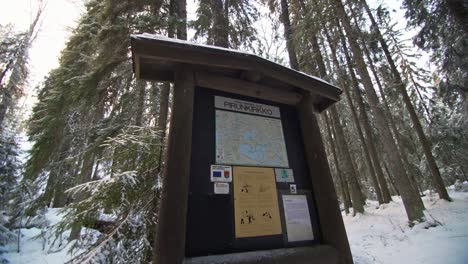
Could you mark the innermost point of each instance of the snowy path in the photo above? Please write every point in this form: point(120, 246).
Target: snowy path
point(383, 236)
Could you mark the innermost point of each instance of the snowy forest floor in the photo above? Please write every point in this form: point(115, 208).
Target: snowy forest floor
point(383, 236)
point(379, 236)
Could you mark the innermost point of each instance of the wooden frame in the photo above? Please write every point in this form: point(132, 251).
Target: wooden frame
point(170, 245)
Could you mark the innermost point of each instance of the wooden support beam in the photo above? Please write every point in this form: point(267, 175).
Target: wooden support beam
point(332, 227)
point(246, 88)
point(136, 65)
point(252, 76)
point(170, 245)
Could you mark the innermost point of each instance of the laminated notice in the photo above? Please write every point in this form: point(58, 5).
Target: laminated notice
point(296, 211)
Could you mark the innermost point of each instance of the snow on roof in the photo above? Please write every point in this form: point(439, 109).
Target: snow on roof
point(244, 53)
point(185, 42)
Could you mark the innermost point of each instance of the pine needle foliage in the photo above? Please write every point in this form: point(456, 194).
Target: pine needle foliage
point(95, 150)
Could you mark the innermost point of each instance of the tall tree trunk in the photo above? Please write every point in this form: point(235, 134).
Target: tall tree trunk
point(366, 123)
point(141, 86)
point(89, 157)
point(288, 35)
point(347, 162)
point(181, 19)
point(410, 197)
point(459, 10)
point(392, 181)
point(365, 146)
point(84, 176)
point(221, 23)
point(343, 184)
point(436, 178)
point(356, 192)
point(164, 98)
point(392, 122)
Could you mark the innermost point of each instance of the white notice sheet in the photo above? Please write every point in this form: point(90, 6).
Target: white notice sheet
point(297, 217)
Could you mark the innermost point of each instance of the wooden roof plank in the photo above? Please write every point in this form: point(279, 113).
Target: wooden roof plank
point(162, 50)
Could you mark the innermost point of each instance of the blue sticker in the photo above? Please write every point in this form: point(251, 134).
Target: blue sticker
point(217, 174)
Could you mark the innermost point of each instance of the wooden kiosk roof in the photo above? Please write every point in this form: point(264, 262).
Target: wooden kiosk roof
point(156, 58)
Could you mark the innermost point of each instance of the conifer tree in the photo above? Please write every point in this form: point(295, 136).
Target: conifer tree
point(411, 199)
point(14, 56)
point(437, 179)
point(226, 23)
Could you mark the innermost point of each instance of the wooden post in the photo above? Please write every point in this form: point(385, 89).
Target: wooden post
point(170, 243)
point(331, 223)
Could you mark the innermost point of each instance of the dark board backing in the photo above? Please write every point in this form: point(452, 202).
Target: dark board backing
point(210, 217)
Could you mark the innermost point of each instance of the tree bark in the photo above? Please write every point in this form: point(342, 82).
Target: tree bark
point(436, 178)
point(86, 171)
point(410, 197)
point(459, 10)
point(343, 184)
point(181, 19)
point(141, 86)
point(220, 23)
point(366, 124)
point(365, 146)
point(84, 176)
point(288, 35)
point(347, 162)
point(392, 181)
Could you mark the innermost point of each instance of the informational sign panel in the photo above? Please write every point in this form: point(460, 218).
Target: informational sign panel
point(221, 188)
point(246, 154)
point(220, 173)
point(246, 107)
point(243, 139)
point(298, 225)
point(256, 208)
point(284, 175)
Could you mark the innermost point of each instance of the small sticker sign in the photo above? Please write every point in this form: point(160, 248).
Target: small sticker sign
point(293, 188)
point(220, 173)
point(219, 154)
point(221, 188)
point(284, 175)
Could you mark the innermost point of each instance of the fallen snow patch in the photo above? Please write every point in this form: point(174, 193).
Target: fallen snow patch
point(38, 246)
point(383, 236)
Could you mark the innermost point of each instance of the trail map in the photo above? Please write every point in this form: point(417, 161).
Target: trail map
point(243, 139)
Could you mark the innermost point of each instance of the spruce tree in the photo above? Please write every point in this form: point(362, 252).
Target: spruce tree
point(411, 199)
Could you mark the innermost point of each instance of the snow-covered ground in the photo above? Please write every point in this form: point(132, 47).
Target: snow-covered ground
point(383, 236)
point(35, 249)
point(379, 236)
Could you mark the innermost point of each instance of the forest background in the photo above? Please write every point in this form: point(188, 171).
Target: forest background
point(99, 134)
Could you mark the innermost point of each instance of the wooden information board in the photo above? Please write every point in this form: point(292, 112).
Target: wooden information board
point(222, 217)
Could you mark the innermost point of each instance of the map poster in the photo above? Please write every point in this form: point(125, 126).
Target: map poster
point(297, 216)
point(256, 208)
point(244, 139)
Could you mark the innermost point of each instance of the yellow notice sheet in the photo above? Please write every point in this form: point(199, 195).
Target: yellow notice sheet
point(255, 202)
